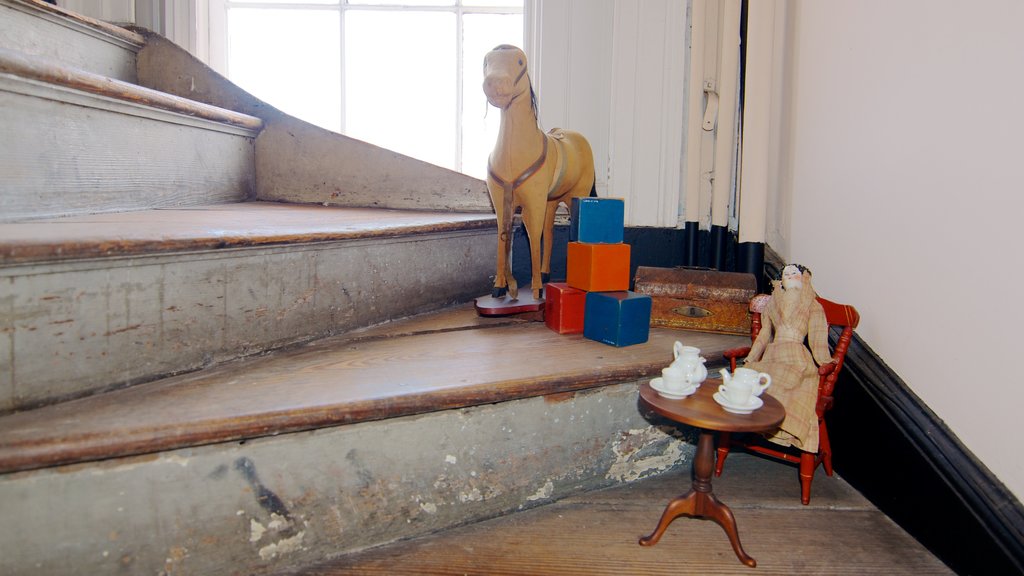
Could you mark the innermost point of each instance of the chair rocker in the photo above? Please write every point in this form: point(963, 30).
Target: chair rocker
point(841, 316)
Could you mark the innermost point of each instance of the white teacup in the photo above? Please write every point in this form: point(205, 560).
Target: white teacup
point(737, 395)
point(739, 387)
point(674, 379)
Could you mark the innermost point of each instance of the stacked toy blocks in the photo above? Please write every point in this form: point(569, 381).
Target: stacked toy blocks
point(563, 308)
point(595, 298)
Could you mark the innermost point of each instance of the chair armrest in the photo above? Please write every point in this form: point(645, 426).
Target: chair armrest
point(826, 368)
point(824, 405)
point(735, 353)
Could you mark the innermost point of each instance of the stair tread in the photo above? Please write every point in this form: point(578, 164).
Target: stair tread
point(453, 359)
point(38, 68)
point(214, 227)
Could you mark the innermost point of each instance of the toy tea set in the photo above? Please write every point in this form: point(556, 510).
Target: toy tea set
point(739, 392)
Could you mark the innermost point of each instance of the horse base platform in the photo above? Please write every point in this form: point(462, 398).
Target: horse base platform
point(525, 304)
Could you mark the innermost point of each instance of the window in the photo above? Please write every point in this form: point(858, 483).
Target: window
point(401, 74)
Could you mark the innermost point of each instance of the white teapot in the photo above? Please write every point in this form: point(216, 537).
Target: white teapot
point(743, 384)
point(689, 361)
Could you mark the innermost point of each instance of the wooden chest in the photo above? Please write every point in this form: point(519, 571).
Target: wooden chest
point(698, 299)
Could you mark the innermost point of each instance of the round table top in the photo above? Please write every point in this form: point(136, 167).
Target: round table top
point(701, 410)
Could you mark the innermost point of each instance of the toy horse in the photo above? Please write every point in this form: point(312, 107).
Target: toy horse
point(529, 169)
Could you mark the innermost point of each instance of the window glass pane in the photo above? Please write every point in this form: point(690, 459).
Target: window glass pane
point(283, 2)
point(480, 121)
point(494, 3)
point(290, 59)
point(403, 2)
point(400, 82)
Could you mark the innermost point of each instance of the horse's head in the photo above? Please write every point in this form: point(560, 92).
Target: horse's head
point(505, 77)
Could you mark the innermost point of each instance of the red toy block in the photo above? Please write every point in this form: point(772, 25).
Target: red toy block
point(563, 308)
point(597, 267)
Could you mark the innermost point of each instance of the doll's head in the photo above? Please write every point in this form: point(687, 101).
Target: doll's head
point(793, 276)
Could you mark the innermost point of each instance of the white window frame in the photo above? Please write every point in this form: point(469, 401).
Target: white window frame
point(217, 42)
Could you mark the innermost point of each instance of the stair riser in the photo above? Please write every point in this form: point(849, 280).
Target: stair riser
point(33, 31)
point(75, 328)
point(295, 499)
point(67, 152)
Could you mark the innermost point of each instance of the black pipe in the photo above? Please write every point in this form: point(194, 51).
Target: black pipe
point(718, 248)
point(691, 244)
point(750, 258)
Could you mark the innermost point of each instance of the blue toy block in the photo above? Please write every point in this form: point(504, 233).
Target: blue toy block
point(596, 220)
point(617, 318)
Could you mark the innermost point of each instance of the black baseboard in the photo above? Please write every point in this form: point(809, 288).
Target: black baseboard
point(893, 449)
point(660, 247)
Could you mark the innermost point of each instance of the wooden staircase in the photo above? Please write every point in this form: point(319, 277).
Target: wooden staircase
point(135, 221)
point(235, 343)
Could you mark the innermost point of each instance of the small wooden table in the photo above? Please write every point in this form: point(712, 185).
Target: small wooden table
point(702, 411)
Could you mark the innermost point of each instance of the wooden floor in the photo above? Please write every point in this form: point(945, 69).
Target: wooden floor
point(596, 533)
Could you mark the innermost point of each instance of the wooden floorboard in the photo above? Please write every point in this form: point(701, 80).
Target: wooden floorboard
point(839, 533)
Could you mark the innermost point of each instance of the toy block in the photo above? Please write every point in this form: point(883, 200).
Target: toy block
point(597, 267)
point(617, 318)
point(563, 308)
point(596, 220)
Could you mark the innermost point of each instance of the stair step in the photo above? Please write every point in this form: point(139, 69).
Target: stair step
point(41, 29)
point(334, 381)
point(53, 72)
point(80, 143)
point(351, 442)
point(100, 302)
point(219, 226)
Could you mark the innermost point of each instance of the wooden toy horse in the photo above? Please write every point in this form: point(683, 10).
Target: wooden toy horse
point(529, 169)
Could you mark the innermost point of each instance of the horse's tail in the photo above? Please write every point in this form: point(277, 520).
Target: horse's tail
point(593, 187)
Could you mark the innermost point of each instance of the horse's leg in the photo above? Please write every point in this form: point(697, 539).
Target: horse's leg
point(533, 219)
point(549, 239)
point(500, 282)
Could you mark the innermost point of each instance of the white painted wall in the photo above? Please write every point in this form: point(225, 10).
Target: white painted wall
point(108, 10)
point(901, 186)
point(615, 71)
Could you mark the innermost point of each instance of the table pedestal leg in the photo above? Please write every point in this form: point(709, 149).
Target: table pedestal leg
point(700, 502)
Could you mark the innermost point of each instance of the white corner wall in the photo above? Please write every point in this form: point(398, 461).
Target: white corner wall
point(615, 71)
point(900, 187)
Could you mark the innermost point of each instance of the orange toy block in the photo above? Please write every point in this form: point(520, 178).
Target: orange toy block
point(597, 267)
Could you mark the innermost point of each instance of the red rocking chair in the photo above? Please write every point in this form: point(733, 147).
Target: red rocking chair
point(837, 315)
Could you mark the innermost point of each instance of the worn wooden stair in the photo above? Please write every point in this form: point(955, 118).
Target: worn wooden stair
point(136, 240)
point(339, 445)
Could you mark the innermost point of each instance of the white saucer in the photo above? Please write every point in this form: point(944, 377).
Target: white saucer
point(659, 387)
point(755, 403)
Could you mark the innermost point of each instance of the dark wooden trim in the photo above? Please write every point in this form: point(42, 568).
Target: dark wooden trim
point(889, 445)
